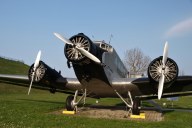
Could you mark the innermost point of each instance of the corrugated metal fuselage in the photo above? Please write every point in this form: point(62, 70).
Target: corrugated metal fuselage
point(97, 78)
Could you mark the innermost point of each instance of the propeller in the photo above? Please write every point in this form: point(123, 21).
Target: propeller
point(36, 64)
point(162, 78)
point(63, 39)
point(80, 49)
point(89, 55)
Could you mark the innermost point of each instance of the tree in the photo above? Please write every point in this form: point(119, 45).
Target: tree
point(136, 62)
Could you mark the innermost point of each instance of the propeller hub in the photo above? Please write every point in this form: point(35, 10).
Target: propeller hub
point(79, 41)
point(38, 73)
point(156, 68)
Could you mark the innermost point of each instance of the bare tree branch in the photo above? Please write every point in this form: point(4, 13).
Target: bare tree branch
point(136, 61)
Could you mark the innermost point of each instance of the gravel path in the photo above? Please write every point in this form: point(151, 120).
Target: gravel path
point(113, 112)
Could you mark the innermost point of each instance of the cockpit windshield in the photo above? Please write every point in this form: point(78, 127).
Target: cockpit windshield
point(104, 46)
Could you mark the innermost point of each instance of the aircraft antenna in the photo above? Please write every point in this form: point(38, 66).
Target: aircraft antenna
point(111, 36)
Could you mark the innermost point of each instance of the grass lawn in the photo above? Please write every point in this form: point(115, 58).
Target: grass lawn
point(12, 67)
point(20, 110)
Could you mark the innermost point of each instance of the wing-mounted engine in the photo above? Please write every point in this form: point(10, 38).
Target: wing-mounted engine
point(75, 55)
point(44, 75)
point(170, 71)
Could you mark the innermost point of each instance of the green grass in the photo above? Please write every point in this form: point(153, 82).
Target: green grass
point(13, 67)
point(183, 102)
point(18, 110)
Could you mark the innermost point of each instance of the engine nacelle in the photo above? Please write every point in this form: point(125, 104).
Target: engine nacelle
point(81, 40)
point(155, 68)
point(44, 74)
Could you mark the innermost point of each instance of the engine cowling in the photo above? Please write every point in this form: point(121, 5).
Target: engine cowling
point(82, 41)
point(44, 74)
point(171, 71)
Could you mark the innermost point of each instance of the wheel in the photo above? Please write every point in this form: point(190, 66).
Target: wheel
point(136, 104)
point(69, 104)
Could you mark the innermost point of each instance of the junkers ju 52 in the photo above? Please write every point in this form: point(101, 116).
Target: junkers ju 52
point(101, 73)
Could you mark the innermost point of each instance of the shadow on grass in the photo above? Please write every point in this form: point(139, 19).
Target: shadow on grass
point(18, 83)
point(167, 110)
point(42, 101)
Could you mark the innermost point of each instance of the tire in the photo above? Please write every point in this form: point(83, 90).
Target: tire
point(136, 104)
point(69, 105)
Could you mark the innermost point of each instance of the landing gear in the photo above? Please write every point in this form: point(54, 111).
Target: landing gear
point(133, 105)
point(136, 106)
point(71, 101)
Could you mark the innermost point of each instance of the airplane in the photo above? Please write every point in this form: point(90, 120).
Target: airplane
point(100, 73)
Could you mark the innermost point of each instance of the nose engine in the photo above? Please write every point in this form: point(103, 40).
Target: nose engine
point(79, 40)
point(170, 70)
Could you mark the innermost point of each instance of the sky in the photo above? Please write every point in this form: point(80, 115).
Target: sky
point(27, 26)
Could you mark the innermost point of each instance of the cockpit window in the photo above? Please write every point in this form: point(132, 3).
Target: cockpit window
point(104, 46)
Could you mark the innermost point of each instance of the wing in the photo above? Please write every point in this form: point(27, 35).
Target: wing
point(61, 84)
point(144, 88)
